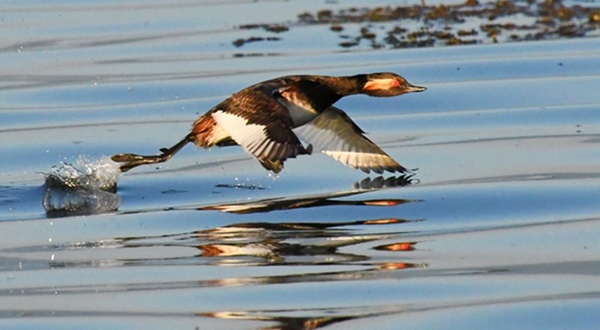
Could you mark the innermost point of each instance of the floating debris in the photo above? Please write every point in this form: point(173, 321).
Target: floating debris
point(240, 42)
point(276, 28)
point(472, 22)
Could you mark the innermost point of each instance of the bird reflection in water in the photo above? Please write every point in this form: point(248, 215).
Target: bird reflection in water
point(281, 322)
point(293, 242)
point(297, 242)
point(305, 244)
point(307, 318)
point(354, 250)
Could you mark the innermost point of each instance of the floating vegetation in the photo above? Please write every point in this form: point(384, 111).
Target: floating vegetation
point(468, 23)
point(240, 42)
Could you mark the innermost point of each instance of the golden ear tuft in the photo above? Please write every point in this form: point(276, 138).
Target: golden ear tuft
point(378, 84)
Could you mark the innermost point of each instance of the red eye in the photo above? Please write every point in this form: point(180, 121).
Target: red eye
point(394, 83)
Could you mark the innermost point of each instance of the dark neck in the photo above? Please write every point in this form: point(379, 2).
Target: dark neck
point(330, 89)
point(321, 92)
point(344, 86)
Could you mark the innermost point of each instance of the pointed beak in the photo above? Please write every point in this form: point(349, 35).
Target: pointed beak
point(416, 89)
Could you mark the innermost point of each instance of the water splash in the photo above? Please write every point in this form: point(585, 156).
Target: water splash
point(86, 187)
point(87, 173)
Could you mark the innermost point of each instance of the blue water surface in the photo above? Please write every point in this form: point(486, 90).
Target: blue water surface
point(497, 228)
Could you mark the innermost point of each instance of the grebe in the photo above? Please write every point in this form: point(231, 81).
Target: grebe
point(268, 118)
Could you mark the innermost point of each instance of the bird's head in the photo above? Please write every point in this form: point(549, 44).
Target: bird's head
point(385, 84)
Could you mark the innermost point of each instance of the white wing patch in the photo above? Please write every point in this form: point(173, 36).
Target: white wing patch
point(249, 136)
point(334, 133)
point(253, 138)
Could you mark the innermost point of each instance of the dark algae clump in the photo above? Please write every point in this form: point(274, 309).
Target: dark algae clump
point(472, 22)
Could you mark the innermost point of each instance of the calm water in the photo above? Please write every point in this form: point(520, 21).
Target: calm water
point(497, 229)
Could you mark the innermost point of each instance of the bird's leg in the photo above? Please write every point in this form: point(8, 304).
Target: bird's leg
point(133, 160)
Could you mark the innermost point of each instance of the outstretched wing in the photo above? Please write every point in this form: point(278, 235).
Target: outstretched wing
point(266, 135)
point(336, 135)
